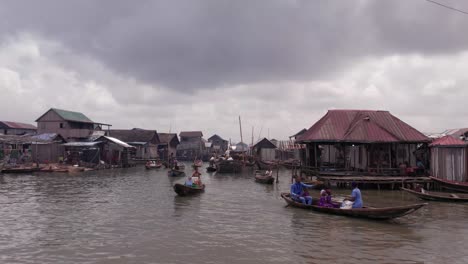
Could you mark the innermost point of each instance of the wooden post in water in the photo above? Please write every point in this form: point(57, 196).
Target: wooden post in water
point(277, 172)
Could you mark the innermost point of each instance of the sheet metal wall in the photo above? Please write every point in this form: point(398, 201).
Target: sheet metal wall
point(449, 163)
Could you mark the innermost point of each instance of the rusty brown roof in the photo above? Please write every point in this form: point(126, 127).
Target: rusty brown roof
point(17, 125)
point(448, 141)
point(361, 126)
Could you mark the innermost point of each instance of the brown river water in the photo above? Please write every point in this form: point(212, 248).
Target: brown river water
point(134, 216)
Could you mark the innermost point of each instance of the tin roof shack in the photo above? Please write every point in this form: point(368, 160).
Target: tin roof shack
point(110, 150)
point(298, 134)
point(191, 145)
point(16, 128)
point(72, 126)
point(48, 148)
point(168, 145)
point(218, 144)
point(449, 159)
point(264, 150)
point(145, 141)
point(26, 149)
point(372, 142)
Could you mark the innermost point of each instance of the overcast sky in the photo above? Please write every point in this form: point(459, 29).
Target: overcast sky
point(198, 65)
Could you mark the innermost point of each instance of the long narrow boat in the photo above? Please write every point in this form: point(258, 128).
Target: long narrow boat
point(211, 169)
point(197, 164)
point(153, 166)
point(260, 177)
point(184, 190)
point(383, 213)
point(63, 170)
point(452, 185)
point(175, 173)
point(20, 170)
point(229, 166)
point(266, 165)
point(439, 196)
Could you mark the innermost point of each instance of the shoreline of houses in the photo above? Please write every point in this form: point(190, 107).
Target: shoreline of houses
point(342, 143)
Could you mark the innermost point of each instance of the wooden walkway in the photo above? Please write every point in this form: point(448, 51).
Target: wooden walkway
point(391, 182)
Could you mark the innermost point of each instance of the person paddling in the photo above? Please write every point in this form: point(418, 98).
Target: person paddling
point(297, 191)
point(355, 196)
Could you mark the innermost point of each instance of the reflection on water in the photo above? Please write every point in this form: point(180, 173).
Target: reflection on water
point(133, 216)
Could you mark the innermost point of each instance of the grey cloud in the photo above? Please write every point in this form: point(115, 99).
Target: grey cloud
point(187, 45)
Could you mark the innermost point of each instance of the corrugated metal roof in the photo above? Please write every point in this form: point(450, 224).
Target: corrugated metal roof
point(167, 137)
point(135, 135)
point(18, 125)
point(191, 134)
point(448, 141)
point(264, 143)
point(72, 116)
point(363, 126)
point(118, 142)
point(82, 144)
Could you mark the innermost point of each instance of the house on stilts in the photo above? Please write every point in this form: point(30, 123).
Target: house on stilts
point(362, 142)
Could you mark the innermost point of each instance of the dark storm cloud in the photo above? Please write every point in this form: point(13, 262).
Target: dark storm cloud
point(187, 45)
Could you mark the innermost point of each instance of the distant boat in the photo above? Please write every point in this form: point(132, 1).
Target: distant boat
point(184, 190)
point(175, 173)
point(452, 185)
point(211, 169)
point(439, 196)
point(153, 165)
point(20, 170)
point(261, 177)
point(266, 165)
point(229, 166)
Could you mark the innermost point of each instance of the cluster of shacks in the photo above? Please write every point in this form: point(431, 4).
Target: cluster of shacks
point(72, 137)
point(364, 141)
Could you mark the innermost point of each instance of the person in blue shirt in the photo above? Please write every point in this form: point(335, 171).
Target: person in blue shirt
point(297, 191)
point(355, 196)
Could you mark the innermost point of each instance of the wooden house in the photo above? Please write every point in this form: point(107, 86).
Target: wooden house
point(47, 148)
point(16, 128)
point(70, 125)
point(264, 150)
point(449, 158)
point(168, 145)
point(364, 140)
point(44, 148)
point(146, 142)
point(191, 145)
point(111, 151)
point(218, 144)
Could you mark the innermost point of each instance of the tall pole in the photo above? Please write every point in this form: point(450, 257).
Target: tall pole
point(252, 135)
point(240, 128)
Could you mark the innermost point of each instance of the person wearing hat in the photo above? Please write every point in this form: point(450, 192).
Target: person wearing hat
point(355, 196)
point(297, 191)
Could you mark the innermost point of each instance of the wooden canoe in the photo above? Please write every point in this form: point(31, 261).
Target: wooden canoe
point(452, 185)
point(211, 169)
point(63, 170)
point(260, 177)
point(20, 170)
point(175, 173)
point(382, 213)
point(156, 166)
point(197, 164)
point(439, 196)
point(184, 190)
point(266, 165)
point(229, 166)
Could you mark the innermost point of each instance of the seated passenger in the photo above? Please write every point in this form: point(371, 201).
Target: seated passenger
point(297, 191)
